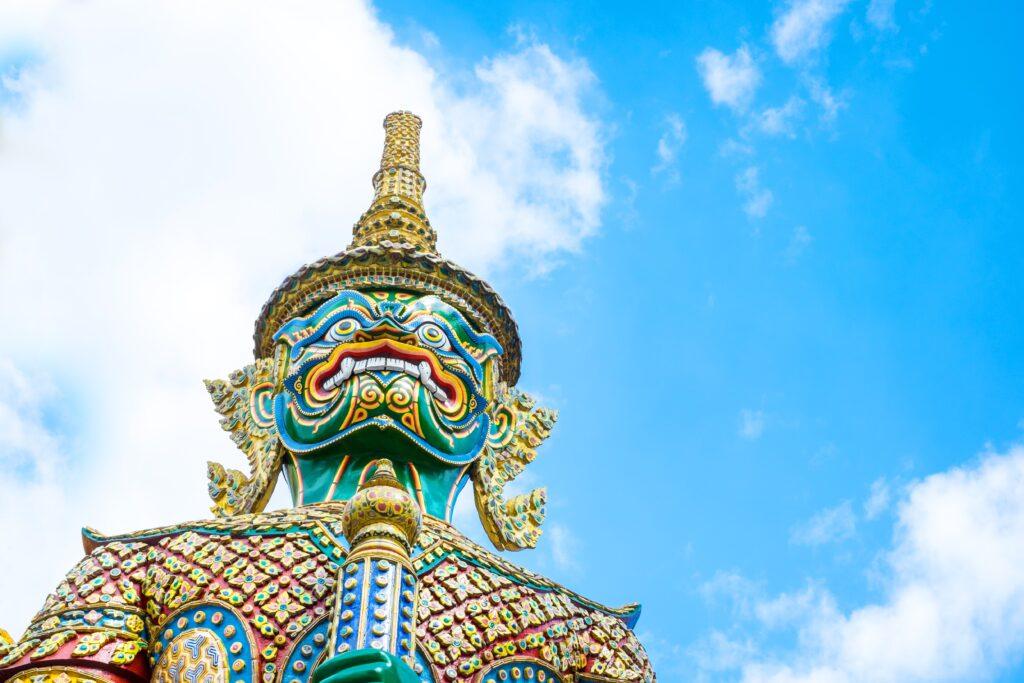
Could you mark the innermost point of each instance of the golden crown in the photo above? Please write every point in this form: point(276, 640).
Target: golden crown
point(394, 246)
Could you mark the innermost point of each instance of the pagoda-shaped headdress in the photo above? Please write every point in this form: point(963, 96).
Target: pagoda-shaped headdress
point(394, 245)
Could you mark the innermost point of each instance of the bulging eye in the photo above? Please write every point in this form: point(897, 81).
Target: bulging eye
point(432, 335)
point(341, 330)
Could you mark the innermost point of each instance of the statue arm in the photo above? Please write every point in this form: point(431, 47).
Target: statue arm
point(93, 627)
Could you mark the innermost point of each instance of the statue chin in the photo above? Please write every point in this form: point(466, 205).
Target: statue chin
point(330, 468)
point(385, 432)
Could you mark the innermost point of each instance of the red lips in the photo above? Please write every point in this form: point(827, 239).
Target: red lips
point(386, 348)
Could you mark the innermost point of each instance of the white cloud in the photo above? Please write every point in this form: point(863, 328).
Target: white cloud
point(564, 546)
point(26, 444)
point(740, 591)
point(953, 592)
point(829, 103)
point(757, 199)
point(878, 500)
point(882, 14)
point(733, 148)
point(729, 79)
point(525, 160)
point(669, 658)
point(33, 504)
point(780, 120)
point(799, 242)
point(803, 28)
point(790, 609)
point(719, 652)
point(160, 180)
point(751, 424)
point(430, 39)
point(828, 526)
point(669, 144)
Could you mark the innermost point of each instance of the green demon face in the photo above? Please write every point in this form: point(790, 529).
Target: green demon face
point(406, 364)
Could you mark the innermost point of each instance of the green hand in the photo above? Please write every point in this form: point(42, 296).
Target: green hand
point(364, 666)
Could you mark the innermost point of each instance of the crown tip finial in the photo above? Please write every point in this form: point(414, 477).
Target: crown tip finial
point(401, 141)
point(396, 214)
point(403, 114)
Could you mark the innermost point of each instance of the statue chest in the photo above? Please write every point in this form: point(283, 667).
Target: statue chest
point(231, 608)
point(211, 643)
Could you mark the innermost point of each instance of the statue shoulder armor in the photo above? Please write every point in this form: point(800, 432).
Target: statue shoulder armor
point(515, 617)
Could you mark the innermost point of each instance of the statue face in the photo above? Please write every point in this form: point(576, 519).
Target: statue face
point(403, 363)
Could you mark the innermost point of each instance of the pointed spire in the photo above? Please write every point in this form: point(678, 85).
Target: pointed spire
point(396, 214)
point(393, 245)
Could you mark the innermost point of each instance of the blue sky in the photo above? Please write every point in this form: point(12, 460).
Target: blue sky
point(867, 327)
point(784, 332)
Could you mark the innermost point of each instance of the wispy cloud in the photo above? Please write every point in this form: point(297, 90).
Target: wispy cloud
point(829, 102)
point(953, 598)
point(564, 545)
point(882, 14)
point(28, 448)
point(828, 526)
point(669, 144)
point(35, 468)
point(752, 423)
point(803, 28)
point(738, 591)
point(718, 652)
point(670, 658)
point(799, 242)
point(878, 500)
point(729, 79)
point(756, 199)
point(735, 149)
point(780, 120)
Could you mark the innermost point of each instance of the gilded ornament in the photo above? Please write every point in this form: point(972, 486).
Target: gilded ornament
point(384, 384)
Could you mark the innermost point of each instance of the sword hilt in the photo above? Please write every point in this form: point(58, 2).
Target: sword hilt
point(375, 595)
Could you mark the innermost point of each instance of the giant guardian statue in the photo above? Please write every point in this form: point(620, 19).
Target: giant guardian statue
point(384, 385)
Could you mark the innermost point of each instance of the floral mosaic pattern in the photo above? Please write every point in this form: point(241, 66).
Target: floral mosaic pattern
point(476, 610)
point(276, 573)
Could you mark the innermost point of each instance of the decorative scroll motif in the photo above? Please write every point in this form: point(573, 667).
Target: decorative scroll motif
point(245, 403)
point(519, 426)
point(202, 644)
point(195, 656)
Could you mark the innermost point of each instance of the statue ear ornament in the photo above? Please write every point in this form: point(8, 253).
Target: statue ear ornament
point(244, 402)
point(519, 426)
